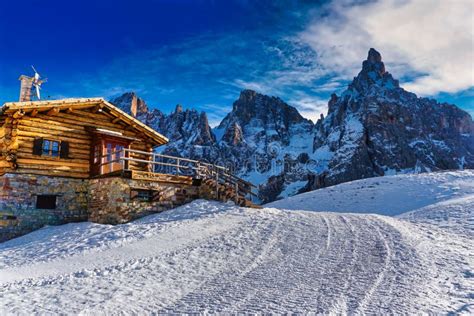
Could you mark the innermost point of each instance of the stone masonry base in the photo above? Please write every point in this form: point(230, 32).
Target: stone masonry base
point(112, 200)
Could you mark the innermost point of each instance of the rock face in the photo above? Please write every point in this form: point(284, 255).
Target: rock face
point(376, 128)
point(373, 128)
point(262, 137)
point(131, 104)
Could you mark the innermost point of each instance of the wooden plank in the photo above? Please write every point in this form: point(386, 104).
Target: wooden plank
point(52, 112)
point(54, 136)
point(58, 173)
point(75, 157)
point(55, 133)
point(158, 177)
point(56, 163)
point(64, 119)
point(60, 127)
point(26, 143)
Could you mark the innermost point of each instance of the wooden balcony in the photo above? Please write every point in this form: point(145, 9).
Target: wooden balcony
point(149, 166)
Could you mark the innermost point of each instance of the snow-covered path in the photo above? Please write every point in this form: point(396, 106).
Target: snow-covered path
point(210, 257)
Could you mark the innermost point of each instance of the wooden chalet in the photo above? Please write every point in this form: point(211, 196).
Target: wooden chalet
point(85, 159)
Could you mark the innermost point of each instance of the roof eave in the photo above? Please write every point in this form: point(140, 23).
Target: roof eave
point(158, 138)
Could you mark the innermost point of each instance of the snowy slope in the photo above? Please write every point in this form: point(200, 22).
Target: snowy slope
point(389, 195)
point(211, 257)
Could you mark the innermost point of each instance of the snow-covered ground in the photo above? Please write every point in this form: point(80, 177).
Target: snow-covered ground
point(390, 195)
point(212, 257)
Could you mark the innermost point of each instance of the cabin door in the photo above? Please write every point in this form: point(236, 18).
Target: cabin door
point(106, 156)
point(113, 151)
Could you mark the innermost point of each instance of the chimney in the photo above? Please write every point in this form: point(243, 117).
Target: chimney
point(25, 88)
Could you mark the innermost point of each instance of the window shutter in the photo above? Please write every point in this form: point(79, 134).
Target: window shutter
point(38, 146)
point(64, 151)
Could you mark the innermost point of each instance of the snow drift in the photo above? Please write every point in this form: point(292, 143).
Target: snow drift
point(210, 257)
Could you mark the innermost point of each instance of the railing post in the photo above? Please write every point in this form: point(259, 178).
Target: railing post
point(177, 166)
point(217, 183)
point(236, 193)
point(126, 154)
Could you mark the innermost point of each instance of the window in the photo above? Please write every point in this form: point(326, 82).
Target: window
point(112, 154)
point(109, 152)
point(118, 151)
point(114, 151)
point(142, 195)
point(46, 201)
point(96, 153)
point(50, 148)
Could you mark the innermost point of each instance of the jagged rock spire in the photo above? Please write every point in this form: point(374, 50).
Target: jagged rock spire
point(205, 134)
point(374, 63)
point(130, 103)
point(233, 135)
point(178, 108)
point(373, 73)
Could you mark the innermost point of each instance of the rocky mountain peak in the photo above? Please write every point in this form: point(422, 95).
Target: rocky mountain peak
point(263, 110)
point(247, 95)
point(131, 104)
point(374, 56)
point(373, 75)
point(178, 108)
point(377, 128)
point(205, 132)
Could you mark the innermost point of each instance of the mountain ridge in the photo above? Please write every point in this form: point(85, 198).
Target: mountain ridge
point(373, 128)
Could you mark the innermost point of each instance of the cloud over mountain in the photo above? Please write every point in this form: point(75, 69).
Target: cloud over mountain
point(429, 44)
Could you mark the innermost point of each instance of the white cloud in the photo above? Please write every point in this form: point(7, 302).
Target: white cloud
point(433, 38)
point(310, 107)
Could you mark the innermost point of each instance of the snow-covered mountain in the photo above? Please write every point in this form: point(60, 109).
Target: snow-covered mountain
point(373, 128)
point(213, 258)
point(262, 139)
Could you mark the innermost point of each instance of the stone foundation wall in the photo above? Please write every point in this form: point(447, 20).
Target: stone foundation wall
point(115, 200)
point(18, 193)
point(111, 200)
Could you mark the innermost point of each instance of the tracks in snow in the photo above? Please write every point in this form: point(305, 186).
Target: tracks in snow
point(238, 261)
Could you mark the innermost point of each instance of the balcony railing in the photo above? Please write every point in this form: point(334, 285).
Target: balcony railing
point(170, 165)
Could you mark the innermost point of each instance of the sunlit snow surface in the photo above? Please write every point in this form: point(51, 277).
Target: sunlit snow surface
point(209, 257)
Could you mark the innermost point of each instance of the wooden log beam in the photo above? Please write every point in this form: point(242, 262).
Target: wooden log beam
point(97, 108)
point(52, 112)
point(58, 163)
point(18, 114)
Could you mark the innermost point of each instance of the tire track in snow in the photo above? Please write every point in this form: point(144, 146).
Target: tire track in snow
point(387, 255)
point(251, 261)
point(267, 231)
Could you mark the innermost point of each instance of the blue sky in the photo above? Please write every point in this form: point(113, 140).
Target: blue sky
point(202, 53)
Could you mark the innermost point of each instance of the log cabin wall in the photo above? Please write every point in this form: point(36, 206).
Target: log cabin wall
point(46, 149)
point(68, 126)
point(3, 161)
point(8, 142)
